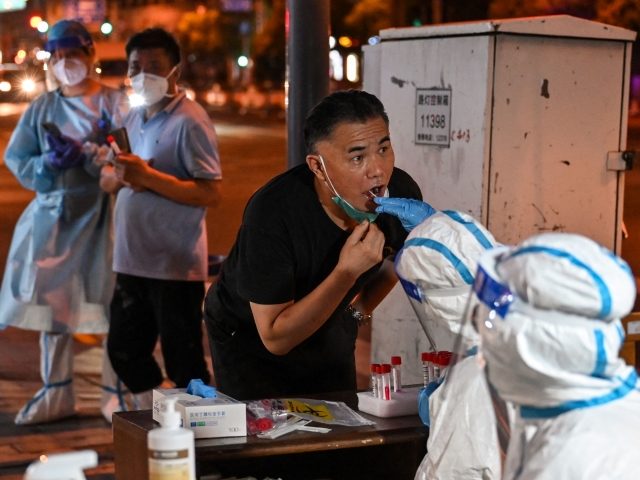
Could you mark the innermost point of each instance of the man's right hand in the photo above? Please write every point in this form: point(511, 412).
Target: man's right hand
point(362, 250)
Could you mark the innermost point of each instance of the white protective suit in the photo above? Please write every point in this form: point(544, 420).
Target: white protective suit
point(436, 267)
point(58, 276)
point(548, 316)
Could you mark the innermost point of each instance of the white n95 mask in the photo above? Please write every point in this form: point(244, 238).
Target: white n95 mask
point(152, 88)
point(70, 71)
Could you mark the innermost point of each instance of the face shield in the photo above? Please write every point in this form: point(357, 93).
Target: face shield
point(436, 268)
point(467, 400)
point(486, 302)
point(547, 314)
point(438, 312)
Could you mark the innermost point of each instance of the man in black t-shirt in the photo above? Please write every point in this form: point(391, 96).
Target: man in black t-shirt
point(311, 259)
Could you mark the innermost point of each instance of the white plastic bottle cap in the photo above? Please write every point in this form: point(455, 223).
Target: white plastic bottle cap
point(170, 417)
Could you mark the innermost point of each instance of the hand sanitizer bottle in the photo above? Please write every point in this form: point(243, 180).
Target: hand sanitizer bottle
point(171, 447)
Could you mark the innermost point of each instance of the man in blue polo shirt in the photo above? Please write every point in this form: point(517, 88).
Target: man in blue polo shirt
point(160, 255)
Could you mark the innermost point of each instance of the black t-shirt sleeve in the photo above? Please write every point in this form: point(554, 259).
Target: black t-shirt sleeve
point(266, 265)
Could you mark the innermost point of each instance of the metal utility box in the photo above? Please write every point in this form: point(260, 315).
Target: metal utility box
point(520, 123)
point(512, 121)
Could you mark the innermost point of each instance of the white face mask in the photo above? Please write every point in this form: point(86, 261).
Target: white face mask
point(70, 71)
point(152, 88)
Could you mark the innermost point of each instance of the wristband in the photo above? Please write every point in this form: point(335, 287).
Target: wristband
point(360, 318)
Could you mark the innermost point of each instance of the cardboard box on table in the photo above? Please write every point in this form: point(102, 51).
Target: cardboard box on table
point(221, 416)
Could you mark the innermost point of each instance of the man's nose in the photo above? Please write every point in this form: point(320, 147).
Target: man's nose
point(375, 167)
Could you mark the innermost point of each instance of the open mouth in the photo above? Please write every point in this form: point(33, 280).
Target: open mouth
point(375, 192)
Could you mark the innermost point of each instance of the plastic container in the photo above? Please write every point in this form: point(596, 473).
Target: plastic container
point(396, 374)
point(375, 367)
point(427, 368)
point(379, 381)
point(171, 447)
point(443, 359)
point(403, 403)
point(385, 374)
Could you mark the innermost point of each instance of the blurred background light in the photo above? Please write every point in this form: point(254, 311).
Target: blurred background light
point(106, 28)
point(335, 63)
point(345, 41)
point(353, 68)
point(34, 21)
point(373, 40)
point(136, 100)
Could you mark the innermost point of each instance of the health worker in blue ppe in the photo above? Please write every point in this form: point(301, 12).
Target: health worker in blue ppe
point(312, 259)
point(436, 268)
point(548, 313)
point(58, 277)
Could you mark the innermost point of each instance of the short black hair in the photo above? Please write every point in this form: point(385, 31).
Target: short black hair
point(155, 38)
point(340, 107)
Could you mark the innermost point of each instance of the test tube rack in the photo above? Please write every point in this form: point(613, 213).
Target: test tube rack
point(402, 403)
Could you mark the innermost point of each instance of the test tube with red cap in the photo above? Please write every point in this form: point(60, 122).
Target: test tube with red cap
point(427, 367)
point(385, 374)
point(443, 360)
point(375, 372)
point(436, 366)
point(396, 376)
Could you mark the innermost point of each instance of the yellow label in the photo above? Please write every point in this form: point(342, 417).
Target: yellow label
point(320, 411)
point(169, 465)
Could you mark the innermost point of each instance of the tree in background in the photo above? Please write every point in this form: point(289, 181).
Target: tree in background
point(200, 35)
point(371, 16)
point(361, 19)
point(212, 40)
point(368, 17)
point(269, 47)
point(624, 13)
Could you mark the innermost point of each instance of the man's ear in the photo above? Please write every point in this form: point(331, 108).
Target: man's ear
point(314, 164)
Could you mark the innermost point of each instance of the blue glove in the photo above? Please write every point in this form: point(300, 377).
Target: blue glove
point(65, 152)
point(423, 401)
point(410, 212)
point(103, 127)
point(198, 387)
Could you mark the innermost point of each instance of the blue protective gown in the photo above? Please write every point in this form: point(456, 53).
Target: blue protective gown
point(58, 275)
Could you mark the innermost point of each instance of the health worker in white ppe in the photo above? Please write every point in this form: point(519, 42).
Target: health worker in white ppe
point(548, 313)
point(436, 268)
point(58, 277)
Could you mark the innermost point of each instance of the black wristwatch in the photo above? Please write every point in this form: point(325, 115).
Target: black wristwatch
point(360, 318)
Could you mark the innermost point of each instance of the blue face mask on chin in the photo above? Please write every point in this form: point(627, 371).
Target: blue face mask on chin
point(353, 213)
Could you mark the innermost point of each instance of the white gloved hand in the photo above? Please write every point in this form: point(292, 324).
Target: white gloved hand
point(99, 155)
